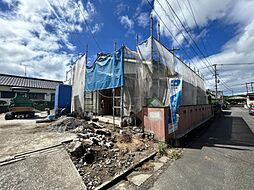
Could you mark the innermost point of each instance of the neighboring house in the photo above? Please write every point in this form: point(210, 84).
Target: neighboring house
point(41, 90)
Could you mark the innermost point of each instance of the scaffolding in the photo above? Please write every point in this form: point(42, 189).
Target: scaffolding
point(125, 81)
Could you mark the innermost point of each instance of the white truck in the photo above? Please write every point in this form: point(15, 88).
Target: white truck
point(250, 102)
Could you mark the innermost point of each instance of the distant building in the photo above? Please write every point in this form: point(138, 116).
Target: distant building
point(39, 89)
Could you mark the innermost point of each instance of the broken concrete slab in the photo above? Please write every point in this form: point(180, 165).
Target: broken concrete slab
point(124, 185)
point(163, 159)
point(42, 170)
point(76, 148)
point(138, 178)
point(157, 166)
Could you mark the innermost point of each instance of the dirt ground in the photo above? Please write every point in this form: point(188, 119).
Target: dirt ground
point(24, 135)
point(98, 150)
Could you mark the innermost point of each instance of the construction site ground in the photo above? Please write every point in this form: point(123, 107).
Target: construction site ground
point(31, 157)
point(73, 154)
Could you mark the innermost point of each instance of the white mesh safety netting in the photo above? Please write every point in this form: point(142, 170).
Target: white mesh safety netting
point(78, 82)
point(146, 75)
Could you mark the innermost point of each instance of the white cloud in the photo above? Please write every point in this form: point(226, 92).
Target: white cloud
point(128, 23)
point(97, 27)
point(204, 11)
point(143, 19)
point(121, 8)
point(36, 33)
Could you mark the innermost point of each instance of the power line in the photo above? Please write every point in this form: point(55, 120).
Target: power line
point(224, 84)
point(183, 14)
point(176, 25)
point(234, 64)
point(193, 16)
point(192, 13)
point(168, 29)
point(228, 64)
point(66, 24)
point(189, 35)
point(96, 42)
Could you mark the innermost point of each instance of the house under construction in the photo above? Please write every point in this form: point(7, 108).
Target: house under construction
point(149, 78)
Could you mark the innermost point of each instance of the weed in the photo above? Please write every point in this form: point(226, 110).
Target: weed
point(162, 149)
point(174, 154)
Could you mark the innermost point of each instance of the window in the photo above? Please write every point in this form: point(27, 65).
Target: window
point(251, 98)
point(22, 94)
point(6, 94)
point(36, 96)
point(52, 97)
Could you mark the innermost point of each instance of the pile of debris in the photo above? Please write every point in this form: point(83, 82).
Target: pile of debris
point(99, 152)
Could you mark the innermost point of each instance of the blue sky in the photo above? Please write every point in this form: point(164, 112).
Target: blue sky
point(48, 35)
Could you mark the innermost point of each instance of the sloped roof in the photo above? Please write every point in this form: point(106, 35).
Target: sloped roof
point(27, 82)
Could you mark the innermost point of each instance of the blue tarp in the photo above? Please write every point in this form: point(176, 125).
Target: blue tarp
point(106, 73)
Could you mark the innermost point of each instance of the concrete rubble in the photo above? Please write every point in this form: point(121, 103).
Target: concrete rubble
point(102, 151)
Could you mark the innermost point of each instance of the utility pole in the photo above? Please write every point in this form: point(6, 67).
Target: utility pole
point(246, 87)
point(251, 86)
point(216, 81)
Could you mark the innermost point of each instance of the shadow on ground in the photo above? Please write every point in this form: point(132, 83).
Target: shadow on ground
point(224, 131)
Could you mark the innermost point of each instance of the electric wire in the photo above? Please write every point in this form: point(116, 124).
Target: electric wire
point(177, 26)
point(169, 30)
point(194, 42)
point(192, 13)
point(89, 28)
point(193, 16)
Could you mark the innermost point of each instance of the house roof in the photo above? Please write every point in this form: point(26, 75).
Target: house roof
point(28, 82)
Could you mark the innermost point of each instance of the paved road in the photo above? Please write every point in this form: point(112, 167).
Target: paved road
point(223, 158)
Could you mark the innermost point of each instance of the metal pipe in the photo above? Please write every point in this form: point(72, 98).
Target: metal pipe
point(137, 40)
point(151, 33)
point(159, 32)
point(113, 90)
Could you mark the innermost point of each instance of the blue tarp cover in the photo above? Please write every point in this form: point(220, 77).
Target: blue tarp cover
point(106, 73)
